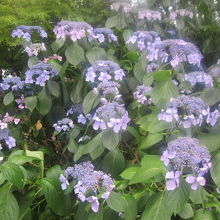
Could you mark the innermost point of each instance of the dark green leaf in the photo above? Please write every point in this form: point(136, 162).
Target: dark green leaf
point(90, 102)
point(8, 98)
point(129, 173)
point(74, 54)
point(116, 202)
point(186, 211)
point(110, 139)
point(31, 102)
point(130, 212)
point(44, 102)
point(53, 88)
point(140, 68)
point(215, 169)
point(150, 140)
point(96, 53)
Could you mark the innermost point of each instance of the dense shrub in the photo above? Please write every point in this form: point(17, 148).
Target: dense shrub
point(120, 122)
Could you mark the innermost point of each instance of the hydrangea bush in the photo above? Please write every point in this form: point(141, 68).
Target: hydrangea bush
point(114, 122)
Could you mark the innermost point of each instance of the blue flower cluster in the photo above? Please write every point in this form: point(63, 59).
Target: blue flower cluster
point(25, 32)
point(12, 83)
point(186, 156)
point(101, 33)
point(40, 73)
point(88, 180)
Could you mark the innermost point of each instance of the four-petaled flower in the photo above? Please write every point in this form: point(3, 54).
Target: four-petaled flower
point(195, 181)
point(173, 180)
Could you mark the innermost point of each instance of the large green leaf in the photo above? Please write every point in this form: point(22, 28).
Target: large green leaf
point(130, 212)
point(56, 200)
point(150, 140)
point(13, 173)
point(163, 92)
point(129, 173)
point(140, 68)
point(110, 139)
point(76, 93)
point(113, 163)
point(118, 21)
point(156, 208)
point(53, 88)
point(96, 53)
point(90, 101)
point(44, 102)
point(215, 169)
point(203, 214)
point(9, 209)
point(177, 198)
point(31, 102)
point(116, 202)
point(211, 95)
point(8, 98)
point(96, 216)
point(74, 54)
point(186, 211)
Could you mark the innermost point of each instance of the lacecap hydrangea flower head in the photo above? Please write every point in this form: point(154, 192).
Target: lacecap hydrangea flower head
point(12, 83)
point(103, 70)
point(91, 185)
point(186, 156)
point(25, 32)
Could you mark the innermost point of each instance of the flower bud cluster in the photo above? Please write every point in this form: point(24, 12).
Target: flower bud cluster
point(199, 77)
point(91, 184)
point(141, 94)
point(101, 34)
point(26, 31)
point(40, 73)
point(34, 49)
point(54, 57)
point(150, 15)
point(75, 30)
point(181, 13)
point(186, 155)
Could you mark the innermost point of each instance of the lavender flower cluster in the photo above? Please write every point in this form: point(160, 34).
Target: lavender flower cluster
point(215, 72)
point(181, 13)
point(199, 77)
point(186, 155)
point(141, 95)
point(179, 51)
point(111, 115)
point(63, 125)
point(144, 39)
point(75, 30)
point(4, 131)
point(34, 49)
point(101, 34)
point(40, 73)
point(88, 180)
point(12, 83)
point(150, 15)
point(121, 6)
point(103, 70)
point(185, 110)
point(26, 31)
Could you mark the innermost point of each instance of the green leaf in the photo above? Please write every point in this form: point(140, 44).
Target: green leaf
point(163, 92)
point(186, 211)
point(156, 208)
point(211, 95)
point(44, 102)
point(113, 163)
point(110, 139)
point(96, 53)
point(55, 197)
point(74, 54)
point(76, 93)
point(203, 214)
point(90, 101)
point(9, 209)
point(162, 75)
point(32, 61)
point(210, 140)
point(57, 44)
point(152, 161)
point(96, 216)
point(116, 202)
point(150, 140)
point(21, 159)
point(129, 173)
point(8, 98)
point(54, 172)
point(146, 173)
point(151, 123)
point(215, 169)
point(13, 173)
point(97, 152)
point(177, 198)
point(118, 21)
point(31, 102)
point(53, 88)
point(198, 196)
point(140, 68)
point(130, 212)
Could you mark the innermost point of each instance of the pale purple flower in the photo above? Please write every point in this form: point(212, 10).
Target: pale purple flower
point(104, 77)
point(99, 124)
point(115, 124)
point(172, 180)
point(101, 34)
point(12, 83)
point(121, 6)
point(81, 119)
point(34, 49)
point(167, 156)
point(64, 182)
point(119, 74)
point(94, 203)
point(181, 13)
point(63, 125)
point(141, 94)
point(213, 117)
point(10, 141)
point(195, 181)
point(150, 15)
